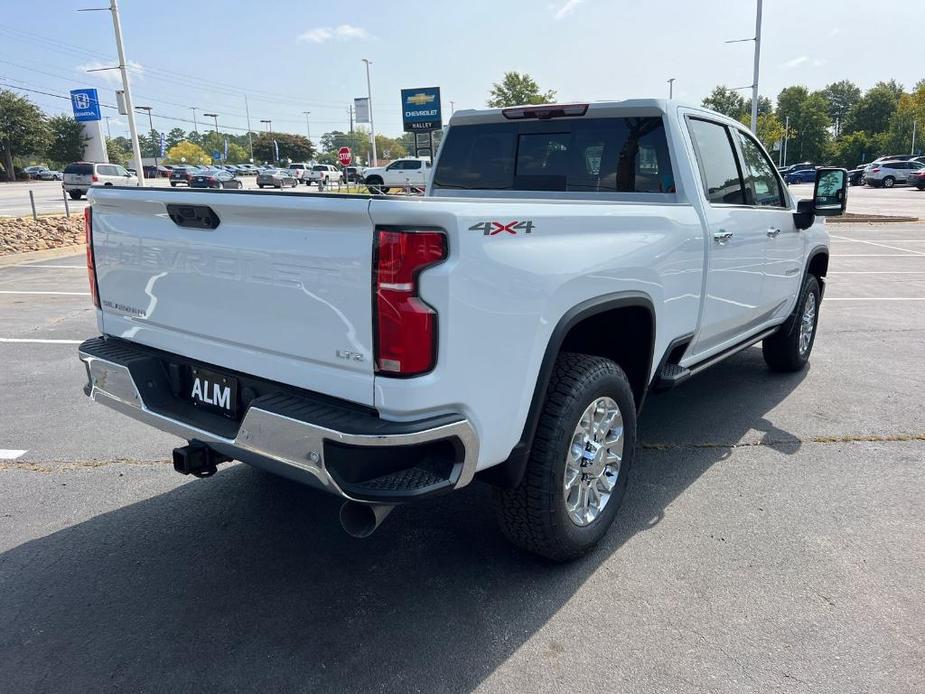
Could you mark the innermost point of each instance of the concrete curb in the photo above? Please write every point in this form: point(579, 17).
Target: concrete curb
point(850, 218)
point(17, 258)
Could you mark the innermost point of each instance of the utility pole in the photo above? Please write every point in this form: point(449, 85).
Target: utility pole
point(912, 151)
point(350, 116)
point(452, 107)
point(151, 124)
point(250, 139)
point(757, 60)
point(195, 124)
point(308, 130)
point(109, 131)
point(372, 128)
point(671, 87)
point(136, 149)
point(786, 138)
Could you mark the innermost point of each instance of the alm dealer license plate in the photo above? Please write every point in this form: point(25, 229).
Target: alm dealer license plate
point(214, 391)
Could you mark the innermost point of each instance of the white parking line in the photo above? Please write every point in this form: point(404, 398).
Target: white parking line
point(878, 255)
point(54, 267)
point(874, 298)
point(880, 245)
point(39, 341)
point(877, 272)
point(10, 291)
point(10, 453)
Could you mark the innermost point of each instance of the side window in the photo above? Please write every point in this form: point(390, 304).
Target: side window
point(717, 162)
point(394, 166)
point(761, 183)
point(413, 165)
point(120, 171)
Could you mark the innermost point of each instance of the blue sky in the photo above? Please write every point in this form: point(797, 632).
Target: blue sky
point(291, 56)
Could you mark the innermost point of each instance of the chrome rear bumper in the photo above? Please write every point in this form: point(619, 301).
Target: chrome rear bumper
point(282, 444)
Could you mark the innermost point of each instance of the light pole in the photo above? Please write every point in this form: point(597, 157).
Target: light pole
point(671, 87)
point(151, 124)
point(268, 122)
point(308, 130)
point(754, 85)
point(195, 124)
point(214, 117)
point(372, 128)
point(109, 130)
point(452, 107)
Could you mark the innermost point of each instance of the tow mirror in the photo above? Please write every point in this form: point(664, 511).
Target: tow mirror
point(830, 195)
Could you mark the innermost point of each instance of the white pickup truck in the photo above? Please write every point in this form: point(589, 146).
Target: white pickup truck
point(401, 173)
point(506, 327)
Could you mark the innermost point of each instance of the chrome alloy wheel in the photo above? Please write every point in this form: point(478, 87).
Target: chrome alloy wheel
point(807, 323)
point(593, 462)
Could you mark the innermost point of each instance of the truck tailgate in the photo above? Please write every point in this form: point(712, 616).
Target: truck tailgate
point(279, 289)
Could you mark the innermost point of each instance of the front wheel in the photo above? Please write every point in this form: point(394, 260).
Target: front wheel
point(789, 348)
point(579, 461)
point(889, 182)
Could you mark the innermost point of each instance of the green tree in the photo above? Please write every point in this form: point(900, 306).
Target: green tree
point(119, 150)
point(515, 89)
point(67, 140)
point(175, 136)
point(727, 101)
point(840, 98)
point(809, 123)
point(185, 152)
point(851, 149)
point(873, 111)
point(237, 154)
point(764, 107)
point(390, 147)
point(23, 129)
point(770, 129)
point(291, 147)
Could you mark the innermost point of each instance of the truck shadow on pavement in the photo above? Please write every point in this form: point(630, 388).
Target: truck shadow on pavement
point(246, 581)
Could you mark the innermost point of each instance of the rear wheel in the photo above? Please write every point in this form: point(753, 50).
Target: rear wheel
point(889, 182)
point(921, 187)
point(173, 185)
point(579, 461)
point(789, 348)
point(75, 194)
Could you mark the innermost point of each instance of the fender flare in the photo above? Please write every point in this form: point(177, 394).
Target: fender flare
point(508, 473)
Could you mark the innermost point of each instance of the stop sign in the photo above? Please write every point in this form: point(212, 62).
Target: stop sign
point(343, 154)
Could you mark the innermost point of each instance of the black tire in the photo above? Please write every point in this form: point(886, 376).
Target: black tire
point(533, 515)
point(75, 194)
point(889, 182)
point(782, 349)
point(920, 187)
point(173, 185)
point(260, 185)
point(374, 185)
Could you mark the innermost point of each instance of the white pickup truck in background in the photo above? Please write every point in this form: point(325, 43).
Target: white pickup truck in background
point(402, 173)
point(507, 326)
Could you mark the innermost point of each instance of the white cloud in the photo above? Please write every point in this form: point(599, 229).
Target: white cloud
point(112, 76)
point(343, 32)
point(796, 62)
point(568, 8)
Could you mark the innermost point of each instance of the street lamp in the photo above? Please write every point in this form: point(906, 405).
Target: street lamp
point(671, 87)
point(195, 124)
point(213, 116)
point(754, 85)
point(268, 122)
point(308, 130)
point(151, 123)
point(369, 101)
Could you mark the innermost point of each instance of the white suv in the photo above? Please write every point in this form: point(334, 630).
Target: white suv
point(401, 173)
point(889, 173)
point(82, 175)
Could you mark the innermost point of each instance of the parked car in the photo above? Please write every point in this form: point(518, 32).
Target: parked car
point(801, 176)
point(385, 352)
point(917, 178)
point(182, 175)
point(35, 170)
point(856, 175)
point(215, 179)
point(49, 175)
point(355, 174)
point(401, 173)
point(248, 169)
point(299, 170)
point(887, 174)
point(802, 166)
point(323, 175)
point(276, 178)
point(80, 176)
point(893, 157)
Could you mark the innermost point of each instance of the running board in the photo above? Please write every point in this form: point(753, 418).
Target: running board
point(672, 375)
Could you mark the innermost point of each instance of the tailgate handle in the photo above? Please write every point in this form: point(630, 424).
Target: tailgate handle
point(193, 216)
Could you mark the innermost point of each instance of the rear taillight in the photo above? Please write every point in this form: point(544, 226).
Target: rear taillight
point(91, 259)
point(94, 178)
point(877, 170)
point(406, 327)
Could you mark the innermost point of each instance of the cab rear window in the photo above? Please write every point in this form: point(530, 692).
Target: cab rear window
point(606, 155)
point(79, 169)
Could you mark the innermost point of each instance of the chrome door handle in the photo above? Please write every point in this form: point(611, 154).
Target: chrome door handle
point(772, 233)
point(722, 236)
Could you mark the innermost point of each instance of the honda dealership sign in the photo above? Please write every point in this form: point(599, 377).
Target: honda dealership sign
point(420, 109)
point(86, 105)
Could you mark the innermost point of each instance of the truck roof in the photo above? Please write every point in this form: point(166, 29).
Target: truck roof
point(599, 109)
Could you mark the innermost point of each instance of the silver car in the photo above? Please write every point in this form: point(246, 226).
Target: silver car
point(276, 178)
point(83, 175)
point(889, 173)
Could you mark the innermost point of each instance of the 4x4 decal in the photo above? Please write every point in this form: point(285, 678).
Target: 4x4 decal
point(493, 228)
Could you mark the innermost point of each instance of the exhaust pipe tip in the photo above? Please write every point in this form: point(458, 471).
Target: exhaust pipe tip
point(361, 520)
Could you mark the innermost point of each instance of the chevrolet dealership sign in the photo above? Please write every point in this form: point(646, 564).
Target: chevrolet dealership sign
point(420, 109)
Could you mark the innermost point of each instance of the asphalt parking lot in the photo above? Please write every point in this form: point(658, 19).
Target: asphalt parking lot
point(773, 536)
